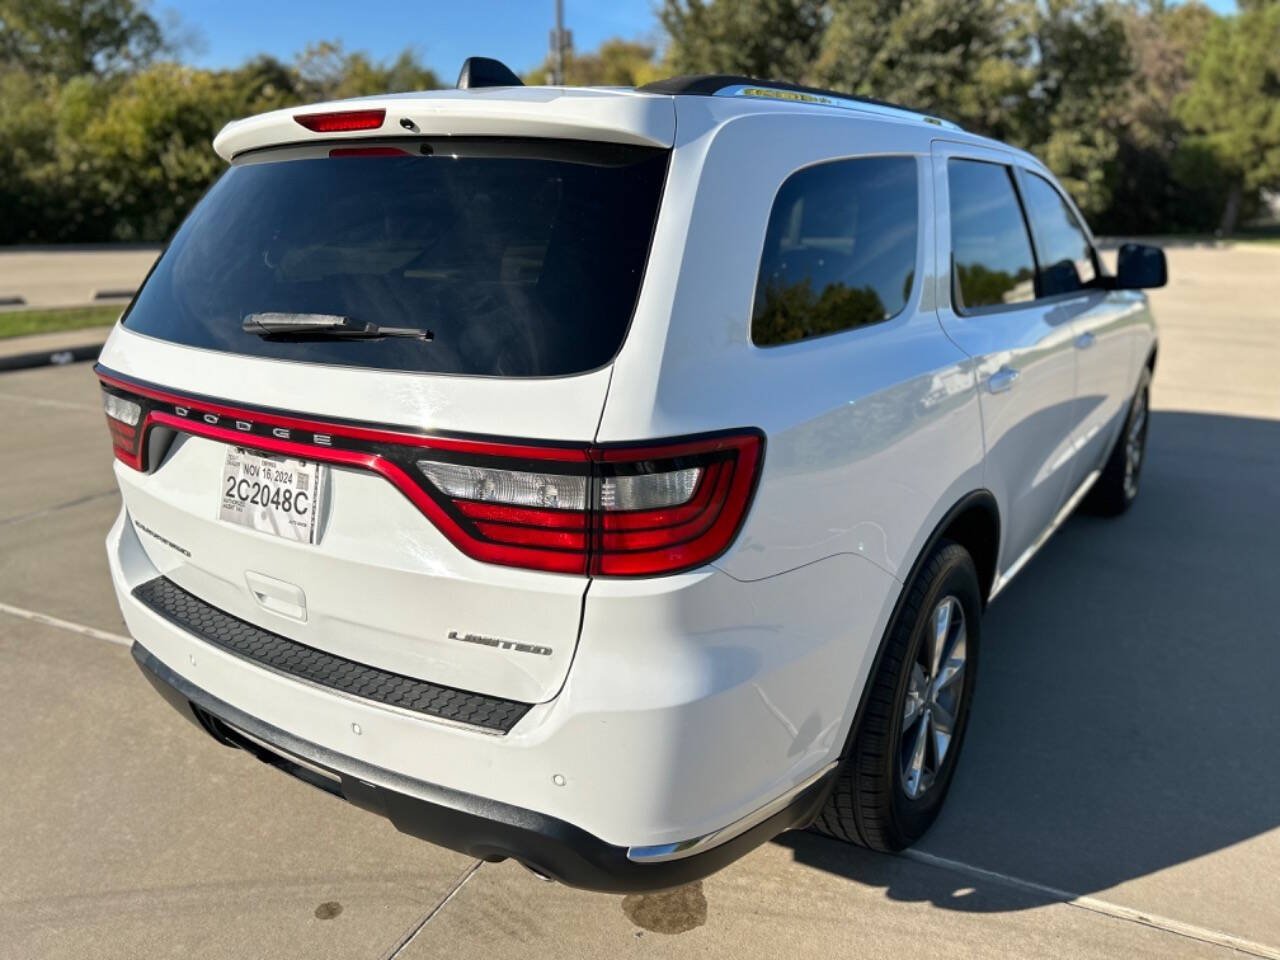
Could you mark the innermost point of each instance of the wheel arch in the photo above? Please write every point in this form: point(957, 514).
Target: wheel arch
point(974, 523)
point(973, 519)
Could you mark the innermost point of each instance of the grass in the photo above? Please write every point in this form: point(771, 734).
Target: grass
point(19, 323)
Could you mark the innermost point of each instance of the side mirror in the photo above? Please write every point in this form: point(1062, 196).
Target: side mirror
point(1140, 267)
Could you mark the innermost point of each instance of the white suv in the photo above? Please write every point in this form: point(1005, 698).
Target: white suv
point(611, 479)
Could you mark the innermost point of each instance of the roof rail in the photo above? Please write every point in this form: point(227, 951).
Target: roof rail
point(727, 84)
point(486, 72)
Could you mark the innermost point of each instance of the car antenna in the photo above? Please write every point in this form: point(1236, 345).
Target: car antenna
point(486, 72)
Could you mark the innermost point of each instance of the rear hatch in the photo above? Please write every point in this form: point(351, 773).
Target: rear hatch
point(332, 340)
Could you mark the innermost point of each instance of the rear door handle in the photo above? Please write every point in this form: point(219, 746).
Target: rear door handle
point(1085, 340)
point(1002, 380)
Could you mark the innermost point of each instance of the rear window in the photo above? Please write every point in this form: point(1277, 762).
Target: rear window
point(839, 251)
point(523, 258)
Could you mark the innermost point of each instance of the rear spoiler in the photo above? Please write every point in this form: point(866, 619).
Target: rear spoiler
point(611, 116)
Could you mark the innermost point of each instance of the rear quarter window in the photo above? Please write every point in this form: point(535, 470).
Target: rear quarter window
point(839, 250)
point(524, 258)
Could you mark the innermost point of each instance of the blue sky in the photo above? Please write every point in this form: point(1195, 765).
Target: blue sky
point(443, 32)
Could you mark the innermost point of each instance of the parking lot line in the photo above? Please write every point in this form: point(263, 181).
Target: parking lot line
point(37, 617)
point(417, 928)
point(1093, 904)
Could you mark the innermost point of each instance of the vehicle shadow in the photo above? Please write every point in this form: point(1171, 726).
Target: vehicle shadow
point(1126, 711)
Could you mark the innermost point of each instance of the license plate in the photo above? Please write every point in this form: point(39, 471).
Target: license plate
point(277, 495)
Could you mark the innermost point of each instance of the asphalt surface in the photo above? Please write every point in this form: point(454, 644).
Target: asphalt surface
point(1117, 794)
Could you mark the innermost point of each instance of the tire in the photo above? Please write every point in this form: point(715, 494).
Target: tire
point(1117, 486)
point(874, 802)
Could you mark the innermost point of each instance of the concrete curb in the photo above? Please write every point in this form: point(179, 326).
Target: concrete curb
point(50, 358)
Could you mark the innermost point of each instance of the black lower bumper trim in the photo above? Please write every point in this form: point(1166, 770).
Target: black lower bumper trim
point(187, 611)
point(480, 828)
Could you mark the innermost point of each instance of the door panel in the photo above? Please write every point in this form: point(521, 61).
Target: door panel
point(1024, 351)
point(1068, 264)
point(1103, 381)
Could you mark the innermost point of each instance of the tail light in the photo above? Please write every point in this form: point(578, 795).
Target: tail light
point(126, 433)
point(622, 511)
point(671, 507)
point(619, 510)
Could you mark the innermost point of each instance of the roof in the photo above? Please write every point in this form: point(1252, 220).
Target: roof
point(735, 85)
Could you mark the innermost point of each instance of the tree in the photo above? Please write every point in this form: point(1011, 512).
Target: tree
point(26, 148)
point(617, 63)
point(1071, 117)
point(1232, 106)
point(68, 38)
point(327, 72)
point(774, 39)
point(1160, 181)
point(962, 59)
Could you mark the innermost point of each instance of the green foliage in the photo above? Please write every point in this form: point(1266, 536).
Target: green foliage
point(91, 151)
point(19, 323)
point(1160, 181)
point(789, 312)
point(617, 63)
point(326, 71)
point(1071, 117)
point(1232, 105)
point(962, 59)
point(67, 38)
point(778, 39)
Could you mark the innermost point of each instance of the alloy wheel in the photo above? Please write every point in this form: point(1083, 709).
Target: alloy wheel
point(1135, 443)
point(932, 704)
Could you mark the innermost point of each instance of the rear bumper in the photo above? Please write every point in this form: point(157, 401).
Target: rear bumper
point(476, 826)
point(699, 712)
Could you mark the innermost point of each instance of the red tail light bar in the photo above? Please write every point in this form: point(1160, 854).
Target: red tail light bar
point(620, 510)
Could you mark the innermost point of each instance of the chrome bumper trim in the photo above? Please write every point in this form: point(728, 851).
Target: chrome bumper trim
point(686, 848)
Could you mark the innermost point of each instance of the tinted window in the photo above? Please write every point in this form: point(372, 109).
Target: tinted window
point(1066, 263)
point(991, 251)
point(524, 258)
point(839, 251)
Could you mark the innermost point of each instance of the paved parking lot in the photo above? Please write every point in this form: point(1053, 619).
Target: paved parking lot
point(1118, 795)
point(61, 276)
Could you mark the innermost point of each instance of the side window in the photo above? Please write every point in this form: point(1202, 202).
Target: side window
point(1066, 260)
point(990, 249)
point(839, 251)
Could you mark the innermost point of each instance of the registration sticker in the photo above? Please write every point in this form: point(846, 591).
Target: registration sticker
point(276, 495)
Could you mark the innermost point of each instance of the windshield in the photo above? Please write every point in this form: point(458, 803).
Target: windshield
point(523, 258)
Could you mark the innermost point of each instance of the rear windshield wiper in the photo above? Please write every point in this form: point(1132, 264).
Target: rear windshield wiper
point(324, 325)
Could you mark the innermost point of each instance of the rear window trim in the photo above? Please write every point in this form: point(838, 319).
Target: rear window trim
point(331, 143)
point(659, 214)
